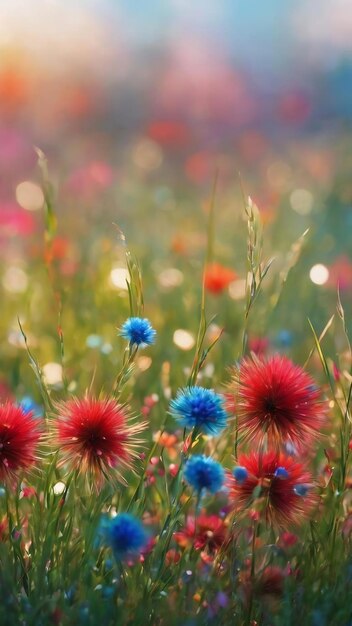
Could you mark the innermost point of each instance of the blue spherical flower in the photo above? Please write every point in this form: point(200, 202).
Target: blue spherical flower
point(301, 490)
point(125, 534)
point(202, 472)
point(284, 338)
point(281, 472)
point(196, 407)
point(240, 474)
point(138, 331)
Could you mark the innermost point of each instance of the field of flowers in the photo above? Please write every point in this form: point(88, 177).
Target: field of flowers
point(176, 306)
point(175, 427)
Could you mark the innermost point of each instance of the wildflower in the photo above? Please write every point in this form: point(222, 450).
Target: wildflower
point(205, 532)
point(28, 492)
point(277, 484)
point(29, 406)
point(288, 539)
point(173, 469)
point(340, 274)
point(217, 277)
point(138, 331)
point(19, 437)
point(96, 436)
point(125, 534)
point(284, 338)
point(196, 407)
point(240, 474)
point(169, 442)
point(278, 400)
point(203, 472)
point(267, 585)
point(149, 403)
point(301, 490)
point(281, 472)
point(258, 345)
point(172, 557)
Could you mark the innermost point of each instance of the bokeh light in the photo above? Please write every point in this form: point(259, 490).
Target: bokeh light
point(29, 196)
point(319, 274)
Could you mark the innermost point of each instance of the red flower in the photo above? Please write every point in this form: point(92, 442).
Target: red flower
point(19, 437)
point(172, 557)
point(340, 273)
point(258, 345)
point(271, 581)
point(217, 277)
point(96, 436)
point(169, 132)
point(207, 531)
point(266, 585)
point(276, 484)
point(278, 399)
point(287, 539)
point(28, 492)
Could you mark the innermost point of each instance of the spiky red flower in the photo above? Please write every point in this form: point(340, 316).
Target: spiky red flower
point(96, 436)
point(276, 485)
point(217, 277)
point(207, 531)
point(19, 436)
point(278, 399)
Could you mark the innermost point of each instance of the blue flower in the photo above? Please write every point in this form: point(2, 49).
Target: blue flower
point(240, 474)
point(125, 534)
point(28, 405)
point(138, 331)
point(196, 407)
point(202, 472)
point(301, 490)
point(284, 338)
point(281, 472)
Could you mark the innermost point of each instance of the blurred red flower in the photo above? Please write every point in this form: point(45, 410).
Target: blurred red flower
point(258, 345)
point(206, 531)
point(217, 277)
point(340, 274)
point(169, 132)
point(267, 585)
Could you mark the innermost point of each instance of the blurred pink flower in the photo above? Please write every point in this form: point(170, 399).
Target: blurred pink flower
point(340, 273)
point(15, 221)
point(91, 179)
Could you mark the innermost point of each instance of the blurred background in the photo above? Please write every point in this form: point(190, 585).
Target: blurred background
point(136, 105)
